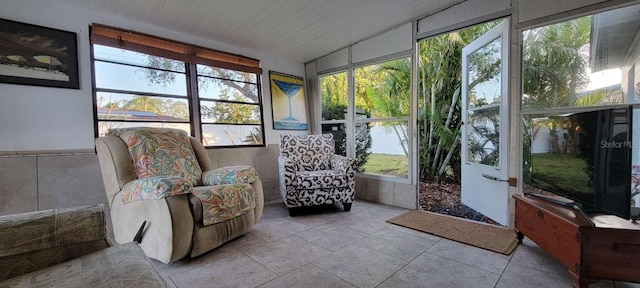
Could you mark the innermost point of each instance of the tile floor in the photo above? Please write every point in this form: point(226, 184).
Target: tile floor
point(333, 248)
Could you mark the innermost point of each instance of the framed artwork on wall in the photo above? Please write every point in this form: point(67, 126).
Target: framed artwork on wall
point(36, 55)
point(288, 102)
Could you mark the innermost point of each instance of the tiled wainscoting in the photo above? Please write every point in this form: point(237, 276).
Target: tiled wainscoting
point(40, 180)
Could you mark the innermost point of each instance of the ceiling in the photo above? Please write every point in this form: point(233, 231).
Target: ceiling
point(301, 30)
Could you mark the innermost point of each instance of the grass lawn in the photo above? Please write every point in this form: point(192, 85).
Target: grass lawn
point(387, 164)
point(563, 172)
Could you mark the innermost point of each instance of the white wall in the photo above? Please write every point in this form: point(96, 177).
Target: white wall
point(466, 13)
point(393, 41)
point(533, 9)
point(42, 118)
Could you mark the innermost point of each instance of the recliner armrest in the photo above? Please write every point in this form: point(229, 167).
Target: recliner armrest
point(343, 164)
point(153, 188)
point(230, 175)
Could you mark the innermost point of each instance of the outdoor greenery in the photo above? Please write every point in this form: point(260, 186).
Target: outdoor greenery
point(440, 108)
point(561, 172)
point(386, 164)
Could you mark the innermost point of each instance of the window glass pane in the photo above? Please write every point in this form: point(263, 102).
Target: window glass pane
point(222, 112)
point(339, 136)
point(333, 91)
point(231, 135)
point(226, 74)
point(384, 90)
point(213, 88)
point(130, 78)
point(104, 126)
point(382, 148)
point(484, 75)
point(141, 108)
point(101, 52)
point(587, 61)
point(483, 136)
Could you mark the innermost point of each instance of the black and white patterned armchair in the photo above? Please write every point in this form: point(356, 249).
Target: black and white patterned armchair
point(312, 174)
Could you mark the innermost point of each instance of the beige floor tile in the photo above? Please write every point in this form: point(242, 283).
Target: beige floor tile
point(524, 277)
point(480, 258)
point(528, 254)
point(364, 223)
point(275, 229)
point(397, 244)
point(368, 252)
point(235, 271)
point(393, 282)
point(286, 254)
point(274, 211)
point(429, 270)
point(332, 236)
point(308, 276)
point(169, 282)
point(180, 266)
point(360, 266)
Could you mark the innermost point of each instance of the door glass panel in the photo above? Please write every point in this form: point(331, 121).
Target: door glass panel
point(483, 136)
point(484, 75)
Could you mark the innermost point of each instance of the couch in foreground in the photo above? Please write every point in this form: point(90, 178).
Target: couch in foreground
point(69, 248)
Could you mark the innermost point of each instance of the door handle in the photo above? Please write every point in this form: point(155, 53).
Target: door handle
point(494, 178)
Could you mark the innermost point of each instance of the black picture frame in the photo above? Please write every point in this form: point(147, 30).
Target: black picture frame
point(37, 55)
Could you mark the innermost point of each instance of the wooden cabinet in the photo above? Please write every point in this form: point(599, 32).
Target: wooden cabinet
point(592, 247)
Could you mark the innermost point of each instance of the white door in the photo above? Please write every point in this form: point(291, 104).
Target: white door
point(485, 133)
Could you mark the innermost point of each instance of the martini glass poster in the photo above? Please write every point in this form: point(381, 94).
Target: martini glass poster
point(288, 102)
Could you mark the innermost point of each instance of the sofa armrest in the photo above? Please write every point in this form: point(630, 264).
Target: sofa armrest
point(153, 188)
point(343, 164)
point(34, 240)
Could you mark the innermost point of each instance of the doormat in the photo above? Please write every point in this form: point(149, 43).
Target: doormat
point(480, 235)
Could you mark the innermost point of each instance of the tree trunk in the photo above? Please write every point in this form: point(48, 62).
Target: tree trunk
point(445, 163)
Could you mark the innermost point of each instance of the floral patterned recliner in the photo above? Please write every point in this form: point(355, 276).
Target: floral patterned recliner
point(312, 174)
point(164, 177)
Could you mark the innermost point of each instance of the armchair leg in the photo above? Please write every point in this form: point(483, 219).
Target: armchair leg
point(295, 211)
point(347, 206)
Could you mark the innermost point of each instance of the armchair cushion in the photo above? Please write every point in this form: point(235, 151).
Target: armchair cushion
point(224, 202)
point(230, 175)
point(321, 179)
point(161, 152)
point(156, 187)
point(311, 152)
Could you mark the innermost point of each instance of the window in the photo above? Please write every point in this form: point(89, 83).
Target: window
point(333, 94)
point(132, 91)
point(577, 75)
point(142, 80)
point(382, 101)
point(379, 121)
